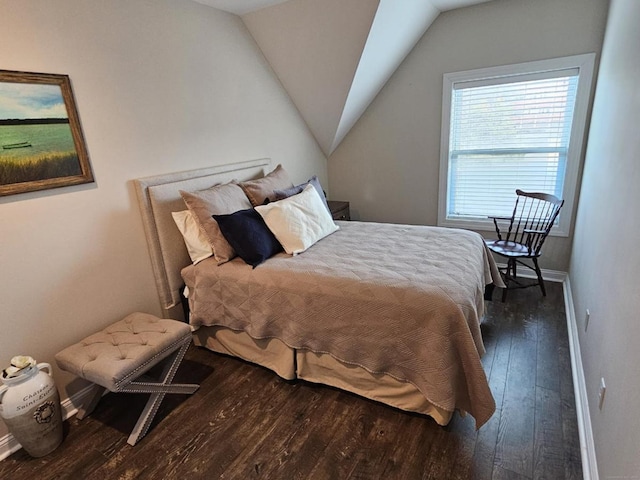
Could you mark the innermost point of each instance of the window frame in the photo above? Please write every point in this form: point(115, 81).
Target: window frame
point(585, 65)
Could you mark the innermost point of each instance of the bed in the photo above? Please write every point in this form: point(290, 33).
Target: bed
point(389, 312)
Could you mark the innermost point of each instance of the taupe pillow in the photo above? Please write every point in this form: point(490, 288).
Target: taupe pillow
point(262, 188)
point(217, 200)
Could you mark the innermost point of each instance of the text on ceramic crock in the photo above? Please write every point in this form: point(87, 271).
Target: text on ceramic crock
point(35, 396)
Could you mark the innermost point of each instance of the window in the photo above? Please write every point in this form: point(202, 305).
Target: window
point(518, 126)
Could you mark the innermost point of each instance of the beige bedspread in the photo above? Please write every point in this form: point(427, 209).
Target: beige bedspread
point(395, 299)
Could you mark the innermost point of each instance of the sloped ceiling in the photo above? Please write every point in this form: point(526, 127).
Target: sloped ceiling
point(314, 46)
point(334, 56)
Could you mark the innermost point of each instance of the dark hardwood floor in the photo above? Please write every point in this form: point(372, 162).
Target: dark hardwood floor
point(245, 422)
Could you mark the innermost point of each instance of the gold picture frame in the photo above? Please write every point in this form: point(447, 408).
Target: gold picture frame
point(41, 142)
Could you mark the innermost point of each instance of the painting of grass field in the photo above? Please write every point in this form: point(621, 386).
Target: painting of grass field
point(32, 152)
point(55, 165)
point(39, 138)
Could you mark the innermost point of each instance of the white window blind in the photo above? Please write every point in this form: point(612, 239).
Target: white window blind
point(507, 134)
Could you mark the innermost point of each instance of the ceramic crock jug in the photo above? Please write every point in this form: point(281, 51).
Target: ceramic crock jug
point(30, 407)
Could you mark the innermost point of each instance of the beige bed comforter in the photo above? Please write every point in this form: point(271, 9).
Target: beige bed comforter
point(395, 299)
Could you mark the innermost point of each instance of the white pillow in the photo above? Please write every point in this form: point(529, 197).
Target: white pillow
point(298, 221)
point(197, 244)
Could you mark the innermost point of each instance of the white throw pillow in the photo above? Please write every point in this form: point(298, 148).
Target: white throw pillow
point(197, 244)
point(298, 221)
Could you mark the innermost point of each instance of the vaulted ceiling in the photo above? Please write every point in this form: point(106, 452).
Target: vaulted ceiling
point(334, 56)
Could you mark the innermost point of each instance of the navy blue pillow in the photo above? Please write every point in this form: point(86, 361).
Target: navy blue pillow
point(249, 236)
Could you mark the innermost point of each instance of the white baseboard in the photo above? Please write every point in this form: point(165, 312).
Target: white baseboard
point(9, 445)
point(587, 445)
point(548, 275)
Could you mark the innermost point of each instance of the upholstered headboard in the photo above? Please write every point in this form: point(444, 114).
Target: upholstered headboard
point(158, 196)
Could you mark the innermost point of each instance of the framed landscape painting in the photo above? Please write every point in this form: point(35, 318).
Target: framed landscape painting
point(41, 142)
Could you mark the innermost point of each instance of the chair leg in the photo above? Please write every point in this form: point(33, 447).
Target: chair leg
point(539, 274)
point(511, 267)
point(488, 291)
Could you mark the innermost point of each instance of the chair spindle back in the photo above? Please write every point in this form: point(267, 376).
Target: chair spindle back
point(533, 216)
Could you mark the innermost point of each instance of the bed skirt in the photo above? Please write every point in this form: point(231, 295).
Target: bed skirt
point(292, 364)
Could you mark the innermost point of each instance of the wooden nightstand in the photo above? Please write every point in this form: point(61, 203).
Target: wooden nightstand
point(339, 210)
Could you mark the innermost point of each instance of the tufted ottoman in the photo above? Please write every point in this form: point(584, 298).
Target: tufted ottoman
point(117, 357)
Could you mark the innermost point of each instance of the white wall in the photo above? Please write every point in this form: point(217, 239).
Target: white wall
point(388, 164)
point(605, 258)
point(161, 86)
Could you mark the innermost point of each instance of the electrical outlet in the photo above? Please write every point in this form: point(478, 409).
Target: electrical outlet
point(601, 392)
point(586, 320)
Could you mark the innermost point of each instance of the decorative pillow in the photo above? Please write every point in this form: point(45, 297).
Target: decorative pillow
point(298, 221)
point(197, 244)
point(217, 200)
point(288, 192)
point(249, 236)
point(262, 188)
